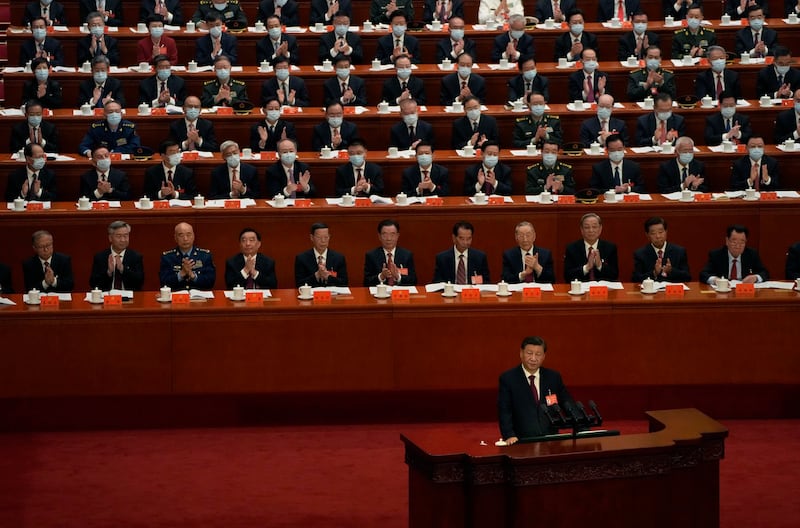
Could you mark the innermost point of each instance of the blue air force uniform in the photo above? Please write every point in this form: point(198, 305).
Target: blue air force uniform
point(205, 273)
point(124, 140)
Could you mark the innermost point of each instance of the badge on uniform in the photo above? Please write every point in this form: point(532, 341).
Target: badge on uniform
point(551, 399)
point(122, 141)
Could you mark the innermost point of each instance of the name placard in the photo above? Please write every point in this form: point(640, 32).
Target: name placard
point(161, 204)
point(50, 301)
point(702, 197)
point(322, 296)
point(112, 300)
point(747, 290)
point(566, 199)
point(531, 293)
point(254, 297)
point(598, 292)
point(630, 198)
point(302, 202)
point(400, 295)
point(434, 201)
point(232, 204)
point(100, 205)
point(180, 297)
point(674, 290)
point(471, 294)
point(496, 200)
point(35, 206)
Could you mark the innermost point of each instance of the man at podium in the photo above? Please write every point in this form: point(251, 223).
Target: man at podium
point(522, 391)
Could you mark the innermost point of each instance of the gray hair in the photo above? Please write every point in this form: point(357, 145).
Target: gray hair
point(226, 144)
point(117, 224)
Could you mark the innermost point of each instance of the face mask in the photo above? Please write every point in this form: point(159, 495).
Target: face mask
point(517, 33)
point(490, 161)
point(223, 74)
point(717, 65)
point(41, 74)
point(232, 160)
point(686, 157)
point(456, 34)
point(215, 31)
point(728, 111)
point(549, 159)
point(38, 163)
point(473, 114)
point(163, 75)
point(174, 159)
point(756, 153)
point(663, 115)
point(220, 6)
point(104, 164)
point(693, 23)
point(156, 32)
point(757, 24)
point(424, 159)
point(39, 33)
point(529, 75)
point(282, 74)
point(464, 71)
point(653, 64)
point(273, 115)
point(640, 27)
point(590, 66)
point(537, 110)
point(576, 29)
point(398, 31)
point(341, 30)
point(343, 73)
point(192, 113)
point(783, 70)
point(335, 122)
point(100, 77)
point(46, 2)
point(114, 118)
point(797, 107)
point(280, 3)
point(97, 31)
point(616, 156)
point(357, 159)
point(404, 73)
point(274, 33)
point(410, 119)
point(603, 113)
point(34, 120)
point(287, 158)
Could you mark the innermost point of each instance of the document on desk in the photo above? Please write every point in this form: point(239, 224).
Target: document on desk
point(7, 302)
point(335, 290)
point(200, 294)
point(662, 285)
point(774, 285)
point(522, 285)
point(265, 293)
point(373, 290)
point(439, 286)
point(611, 285)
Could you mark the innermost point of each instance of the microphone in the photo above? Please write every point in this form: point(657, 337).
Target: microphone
point(571, 413)
point(596, 411)
point(582, 411)
point(546, 410)
point(562, 418)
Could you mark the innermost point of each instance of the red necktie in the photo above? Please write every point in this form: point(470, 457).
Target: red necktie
point(719, 85)
point(461, 271)
point(734, 271)
point(117, 277)
point(251, 282)
point(589, 89)
point(621, 10)
point(591, 269)
point(534, 392)
point(487, 187)
point(190, 145)
point(662, 132)
point(757, 184)
point(389, 266)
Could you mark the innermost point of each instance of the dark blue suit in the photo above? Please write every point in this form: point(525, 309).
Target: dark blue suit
point(451, 88)
point(767, 81)
point(444, 49)
point(112, 87)
point(276, 179)
point(203, 47)
point(462, 130)
point(706, 83)
point(744, 40)
point(346, 178)
point(55, 12)
point(320, 7)
point(265, 51)
point(544, 9)
point(386, 48)
point(590, 130)
point(429, 10)
point(353, 40)
point(332, 89)
point(264, 265)
point(272, 139)
point(147, 8)
point(575, 85)
point(399, 136)
point(715, 127)
point(517, 412)
point(289, 15)
point(150, 89)
point(740, 172)
point(392, 89)
point(516, 87)
point(749, 263)
point(513, 265)
point(375, 260)
point(524, 46)
point(17, 178)
point(5, 280)
point(182, 180)
point(322, 135)
point(575, 258)
point(115, 6)
point(477, 265)
point(502, 173)
point(305, 266)
point(270, 87)
point(33, 274)
point(205, 128)
point(438, 175)
point(603, 176)
point(120, 187)
point(670, 178)
point(203, 268)
point(55, 52)
point(607, 9)
point(132, 273)
point(221, 184)
point(644, 263)
point(646, 127)
point(85, 53)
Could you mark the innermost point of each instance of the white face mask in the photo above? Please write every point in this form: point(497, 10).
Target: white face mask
point(174, 159)
point(215, 31)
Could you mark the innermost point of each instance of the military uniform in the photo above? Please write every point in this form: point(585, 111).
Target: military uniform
point(211, 89)
point(684, 40)
point(233, 11)
point(637, 91)
point(203, 268)
point(538, 173)
point(525, 129)
point(123, 140)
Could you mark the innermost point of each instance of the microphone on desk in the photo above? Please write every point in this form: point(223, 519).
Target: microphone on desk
point(596, 411)
point(546, 410)
point(583, 413)
point(576, 420)
point(560, 414)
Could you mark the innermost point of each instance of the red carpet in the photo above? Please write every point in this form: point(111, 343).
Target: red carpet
point(330, 476)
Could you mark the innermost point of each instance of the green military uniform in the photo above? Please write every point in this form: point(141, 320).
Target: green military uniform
point(684, 40)
point(638, 90)
point(538, 173)
point(233, 11)
point(211, 89)
point(525, 129)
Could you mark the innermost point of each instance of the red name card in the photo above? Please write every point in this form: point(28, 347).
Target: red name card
point(322, 296)
point(189, 156)
point(158, 111)
point(289, 110)
point(496, 200)
point(630, 198)
point(787, 102)
point(769, 195)
point(471, 294)
point(180, 297)
point(100, 205)
point(225, 110)
point(674, 290)
point(35, 206)
point(566, 199)
point(363, 202)
point(702, 197)
point(161, 204)
point(302, 202)
point(232, 204)
point(531, 293)
point(598, 292)
point(50, 301)
point(349, 109)
point(112, 300)
point(254, 297)
point(99, 112)
point(343, 154)
point(434, 201)
point(115, 156)
point(400, 295)
point(747, 290)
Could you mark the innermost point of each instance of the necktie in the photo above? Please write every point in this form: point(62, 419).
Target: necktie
point(514, 42)
point(589, 89)
point(103, 176)
point(31, 193)
point(344, 88)
point(424, 175)
point(275, 45)
point(234, 175)
point(117, 282)
point(756, 39)
point(403, 86)
point(463, 84)
point(45, 266)
point(604, 126)
point(271, 130)
point(757, 183)
point(639, 47)
point(285, 91)
point(660, 254)
point(411, 133)
point(163, 85)
point(290, 176)
point(169, 175)
point(734, 272)
point(621, 10)
point(684, 173)
point(719, 85)
point(442, 12)
point(780, 80)
point(44, 11)
point(662, 132)
point(474, 126)
point(358, 174)
point(487, 187)
point(617, 176)
point(591, 269)
point(397, 43)
point(35, 135)
point(389, 265)
point(534, 392)
point(251, 282)
point(191, 145)
point(320, 262)
point(528, 278)
point(727, 125)
point(528, 87)
point(461, 271)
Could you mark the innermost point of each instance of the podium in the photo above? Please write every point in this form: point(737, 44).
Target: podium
point(665, 478)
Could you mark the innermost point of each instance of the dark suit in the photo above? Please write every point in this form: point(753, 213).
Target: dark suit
point(646, 127)
point(221, 181)
point(740, 172)
point(670, 178)
point(744, 39)
point(668, 8)
point(85, 53)
point(444, 49)
point(33, 274)
point(445, 268)
point(516, 87)
point(333, 90)
point(17, 178)
point(590, 130)
point(322, 135)
point(575, 258)
point(392, 88)
point(353, 40)
point(786, 126)
point(706, 83)
point(205, 127)
point(715, 127)
point(265, 267)
point(626, 46)
point(767, 81)
point(518, 414)
point(748, 263)
point(114, 6)
point(603, 176)
point(429, 10)
point(375, 260)
point(305, 266)
point(346, 178)
point(412, 176)
point(289, 15)
point(399, 137)
point(524, 46)
point(112, 87)
point(320, 7)
point(272, 139)
point(53, 95)
point(147, 8)
point(5, 280)
point(203, 47)
point(607, 9)
point(575, 85)
point(21, 136)
point(120, 187)
point(792, 262)
point(386, 47)
point(150, 89)
point(270, 87)
point(182, 180)
point(276, 179)
point(55, 12)
point(132, 273)
point(544, 9)
point(644, 264)
point(564, 44)
point(462, 130)
point(29, 49)
point(265, 51)
point(451, 88)
point(502, 173)
point(513, 265)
